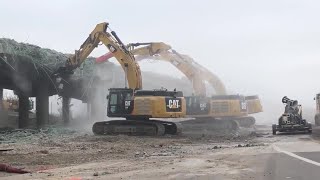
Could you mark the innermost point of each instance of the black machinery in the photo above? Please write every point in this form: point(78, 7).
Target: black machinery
point(291, 120)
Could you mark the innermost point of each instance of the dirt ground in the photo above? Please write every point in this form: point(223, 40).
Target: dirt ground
point(60, 153)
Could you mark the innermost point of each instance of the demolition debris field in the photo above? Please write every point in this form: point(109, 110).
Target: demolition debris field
point(48, 149)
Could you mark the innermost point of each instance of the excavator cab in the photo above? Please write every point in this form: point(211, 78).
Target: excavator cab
point(138, 106)
point(197, 105)
point(120, 102)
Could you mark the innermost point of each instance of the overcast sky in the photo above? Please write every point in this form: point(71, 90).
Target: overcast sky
point(270, 48)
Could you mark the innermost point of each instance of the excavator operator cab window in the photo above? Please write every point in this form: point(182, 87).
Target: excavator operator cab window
point(120, 102)
point(113, 101)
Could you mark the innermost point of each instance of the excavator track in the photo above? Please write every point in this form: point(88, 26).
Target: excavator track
point(211, 124)
point(172, 128)
point(246, 122)
point(136, 127)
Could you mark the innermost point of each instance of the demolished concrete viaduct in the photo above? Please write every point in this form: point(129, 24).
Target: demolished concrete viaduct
point(27, 70)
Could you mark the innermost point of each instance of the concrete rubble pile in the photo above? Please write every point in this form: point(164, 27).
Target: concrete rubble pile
point(41, 56)
point(49, 59)
point(30, 135)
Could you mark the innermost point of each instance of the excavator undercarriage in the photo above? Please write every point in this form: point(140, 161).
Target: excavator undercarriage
point(211, 125)
point(225, 124)
point(247, 121)
point(137, 127)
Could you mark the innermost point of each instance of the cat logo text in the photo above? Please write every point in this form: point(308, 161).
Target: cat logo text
point(173, 104)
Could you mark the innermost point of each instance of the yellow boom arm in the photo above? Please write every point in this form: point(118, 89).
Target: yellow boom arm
point(115, 46)
point(196, 73)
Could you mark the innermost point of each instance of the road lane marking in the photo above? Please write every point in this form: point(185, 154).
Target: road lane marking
point(295, 156)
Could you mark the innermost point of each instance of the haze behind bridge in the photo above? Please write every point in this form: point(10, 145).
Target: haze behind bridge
point(269, 48)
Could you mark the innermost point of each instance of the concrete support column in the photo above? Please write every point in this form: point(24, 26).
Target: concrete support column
point(23, 111)
point(66, 110)
point(89, 111)
point(1, 99)
point(42, 106)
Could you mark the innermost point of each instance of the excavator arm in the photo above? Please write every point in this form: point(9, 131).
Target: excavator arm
point(115, 46)
point(193, 71)
point(186, 68)
point(206, 75)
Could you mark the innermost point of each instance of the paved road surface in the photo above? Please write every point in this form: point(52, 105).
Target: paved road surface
point(297, 158)
point(281, 166)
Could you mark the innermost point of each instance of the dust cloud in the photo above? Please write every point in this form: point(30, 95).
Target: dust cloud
point(112, 76)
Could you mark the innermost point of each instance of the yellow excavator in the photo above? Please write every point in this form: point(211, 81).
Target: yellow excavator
point(228, 111)
point(132, 103)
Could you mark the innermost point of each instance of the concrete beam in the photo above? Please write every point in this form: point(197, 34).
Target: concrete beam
point(1, 99)
point(23, 111)
point(89, 112)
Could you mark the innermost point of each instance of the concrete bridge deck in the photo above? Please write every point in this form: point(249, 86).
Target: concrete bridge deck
point(29, 74)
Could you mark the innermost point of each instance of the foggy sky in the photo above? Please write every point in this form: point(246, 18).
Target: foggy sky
point(270, 48)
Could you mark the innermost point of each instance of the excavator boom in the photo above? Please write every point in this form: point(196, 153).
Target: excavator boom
point(115, 46)
point(193, 71)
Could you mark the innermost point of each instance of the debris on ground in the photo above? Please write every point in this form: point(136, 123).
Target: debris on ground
point(44, 151)
point(4, 150)
point(31, 135)
point(10, 169)
point(249, 145)
point(59, 147)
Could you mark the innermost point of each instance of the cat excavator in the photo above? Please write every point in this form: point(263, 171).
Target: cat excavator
point(137, 106)
point(221, 110)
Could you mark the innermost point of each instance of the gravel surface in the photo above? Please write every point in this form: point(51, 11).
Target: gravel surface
point(51, 148)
